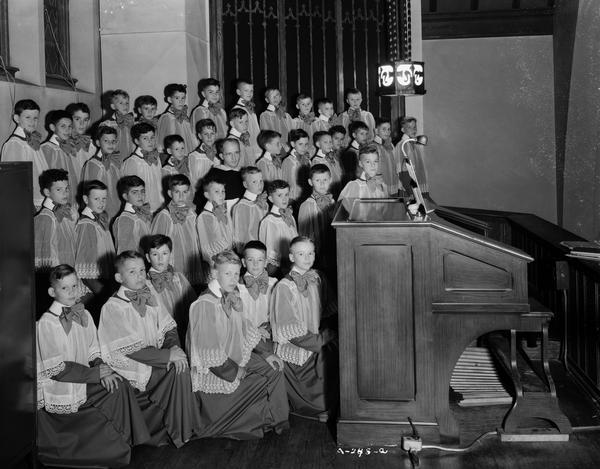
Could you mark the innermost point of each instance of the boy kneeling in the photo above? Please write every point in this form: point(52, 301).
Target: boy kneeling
point(87, 413)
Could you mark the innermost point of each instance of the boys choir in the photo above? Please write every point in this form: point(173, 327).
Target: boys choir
point(126, 342)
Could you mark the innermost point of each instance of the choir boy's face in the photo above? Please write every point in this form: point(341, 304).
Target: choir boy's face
point(208, 135)
point(369, 162)
point(62, 129)
point(254, 183)
point(212, 94)
point(302, 255)
point(108, 144)
point(215, 193)
point(240, 123)
point(301, 146)
point(28, 119)
point(274, 98)
point(136, 196)
point(147, 111)
point(179, 194)
point(65, 290)
point(147, 141)
point(255, 261)
point(59, 192)
point(228, 276)
point(273, 146)
point(159, 257)
point(245, 91)
point(177, 150)
point(280, 198)
point(304, 105)
point(132, 274)
point(177, 99)
point(231, 154)
point(320, 182)
point(354, 100)
point(325, 143)
point(81, 122)
point(337, 139)
point(361, 136)
point(96, 200)
point(326, 109)
point(120, 104)
point(410, 129)
point(384, 131)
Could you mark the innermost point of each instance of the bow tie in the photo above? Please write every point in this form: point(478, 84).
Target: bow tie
point(280, 111)
point(68, 147)
point(288, 216)
point(153, 122)
point(144, 212)
point(307, 118)
point(231, 301)
point(180, 114)
point(330, 157)
point(261, 201)
point(162, 280)
point(277, 160)
point(323, 200)
point(62, 211)
point(182, 166)
point(81, 142)
point(102, 219)
point(33, 139)
point(302, 281)
point(304, 159)
point(72, 314)
point(151, 157)
point(257, 285)
point(374, 182)
point(179, 214)
point(249, 105)
point(220, 211)
point(140, 298)
point(245, 138)
point(124, 120)
point(354, 114)
point(210, 152)
point(215, 108)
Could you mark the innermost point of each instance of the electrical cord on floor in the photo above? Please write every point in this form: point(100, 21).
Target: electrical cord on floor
point(461, 450)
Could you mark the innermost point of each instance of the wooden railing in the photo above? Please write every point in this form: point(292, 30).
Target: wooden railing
point(569, 287)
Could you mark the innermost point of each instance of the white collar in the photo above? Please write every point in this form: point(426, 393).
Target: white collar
point(241, 102)
point(354, 144)
point(56, 308)
point(209, 206)
point(215, 288)
point(20, 132)
point(47, 203)
point(250, 195)
point(363, 176)
point(267, 156)
point(320, 153)
point(270, 107)
point(128, 208)
point(378, 139)
point(88, 213)
point(295, 269)
point(121, 293)
point(224, 167)
point(152, 269)
point(54, 139)
point(205, 103)
point(235, 132)
point(323, 117)
point(256, 276)
point(170, 161)
point(275, 209)
point(138, 152)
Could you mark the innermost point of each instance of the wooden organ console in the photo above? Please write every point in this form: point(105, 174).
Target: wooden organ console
point(412, 295)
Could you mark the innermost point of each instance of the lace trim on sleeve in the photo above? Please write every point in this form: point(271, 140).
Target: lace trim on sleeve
point(48, 373)
point(95, 354)
point(292, 354)
point(45, 262)
point(88, 271)
point(204, 359)
point(212, 384)
point(64, 408)
point(287, 332)
point(252, 339)
point(170, 325)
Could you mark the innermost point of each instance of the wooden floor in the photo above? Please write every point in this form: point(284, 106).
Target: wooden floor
point(312, 445)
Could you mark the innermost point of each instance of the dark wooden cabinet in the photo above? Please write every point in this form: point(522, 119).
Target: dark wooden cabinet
point(412, 296)
point(17, 320)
